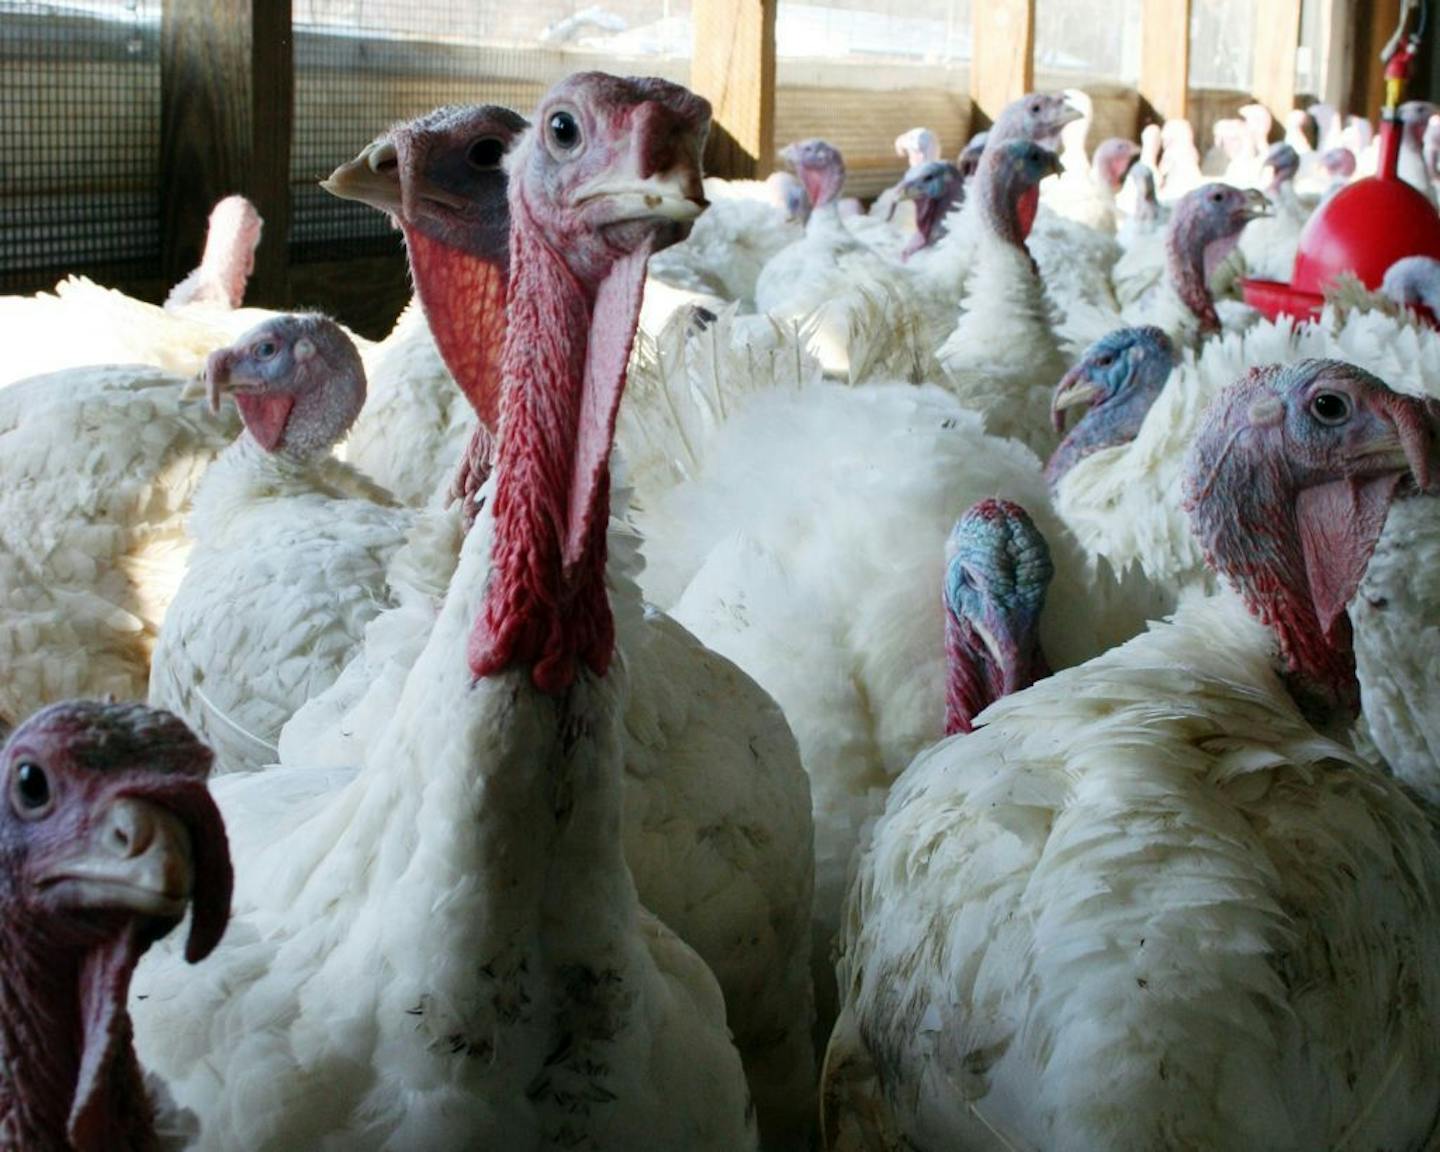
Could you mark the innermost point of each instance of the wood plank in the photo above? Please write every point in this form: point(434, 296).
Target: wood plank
point(1334, 52)
point(1277, 35)
point(1165, 61)
point(733, 66)
point(1003, 62)
point(227, 85)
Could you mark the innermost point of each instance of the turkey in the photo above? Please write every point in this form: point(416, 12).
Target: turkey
point(799, 535)
point(82, 324)
point(535, 897)
point(1269, 244)
point(1001, 359)
point(830, 278)
point(107, 835)
point(1179, 170)
point(1153, 900)
point(1036, 116)
point(728, 868)
point(440, 179)
point(1205, 226)
point(1119, 377)
point(933, 189)
point(97, 467)
point(1087, 196)
point(291, 546)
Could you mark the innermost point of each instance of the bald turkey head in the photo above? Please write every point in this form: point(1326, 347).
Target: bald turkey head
point(1204, 229)
point(918, 146)
point(1008, 187)
point(1036, 116)
point(107, 834)
point(820, 168)
point(1119, 377)
point(1288, 483)
point(1283, 163)
point(297, 379)
point(441, 178)
point(1112, 160)
point(935, 188)
point(997, 572)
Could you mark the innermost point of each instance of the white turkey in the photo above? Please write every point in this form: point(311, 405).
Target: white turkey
point(446, 947)
point(1153, 900)
point(796, 526)
point(291, 545)
point(1269, 244)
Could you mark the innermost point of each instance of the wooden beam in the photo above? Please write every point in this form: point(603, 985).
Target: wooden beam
point(1002, 66)
point(1165, 61)
point(1277, 35)
point(227, 105)
point(733, 66)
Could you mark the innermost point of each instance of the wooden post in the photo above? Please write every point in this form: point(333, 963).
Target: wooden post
point(1002, 67)
point(1277, 35)
point(733, 66)
point(1165, 61)
point(1333, 67)
point(1374, 23)
point(227, 102)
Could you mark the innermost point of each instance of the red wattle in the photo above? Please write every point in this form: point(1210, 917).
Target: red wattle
point(464, 300)
point(1025, 209)
point(265, 415)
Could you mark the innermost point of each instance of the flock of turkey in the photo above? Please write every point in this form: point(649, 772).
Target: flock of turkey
point(868, 755)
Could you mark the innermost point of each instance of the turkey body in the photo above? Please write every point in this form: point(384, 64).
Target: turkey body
point(97, 468)
point(1191, 922)
point(289, 564)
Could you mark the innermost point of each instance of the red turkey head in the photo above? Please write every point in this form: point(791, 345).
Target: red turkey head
point(1288, 484)
point(107, 834)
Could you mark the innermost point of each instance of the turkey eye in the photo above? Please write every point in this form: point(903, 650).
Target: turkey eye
point(31, 788)
point(1330, 408)
point(485, 154)
point(564, 131)
point(266, 349)
point(1105, 361)
point(1216, 197)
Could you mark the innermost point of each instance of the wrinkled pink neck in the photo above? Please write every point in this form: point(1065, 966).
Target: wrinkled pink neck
point(43, 1031)
point(1185, 260)
point(538, 610)
point(1251, 536)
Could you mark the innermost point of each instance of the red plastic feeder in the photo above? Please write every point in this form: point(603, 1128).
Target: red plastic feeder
point(1363, 229)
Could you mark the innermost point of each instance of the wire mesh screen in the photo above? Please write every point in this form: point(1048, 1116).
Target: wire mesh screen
point(79, 139)
point(361, 65)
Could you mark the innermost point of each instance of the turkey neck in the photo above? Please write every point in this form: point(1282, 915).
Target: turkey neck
point(457, 289)
point(563, 371)
point(1185, 261)
point(44, 1030)
point(1254, 541)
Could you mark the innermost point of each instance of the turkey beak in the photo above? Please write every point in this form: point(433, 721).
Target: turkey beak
point(135, 858)
point(217, 377)
point(1073, 390)
point(373, 177)
point(1256, 205)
